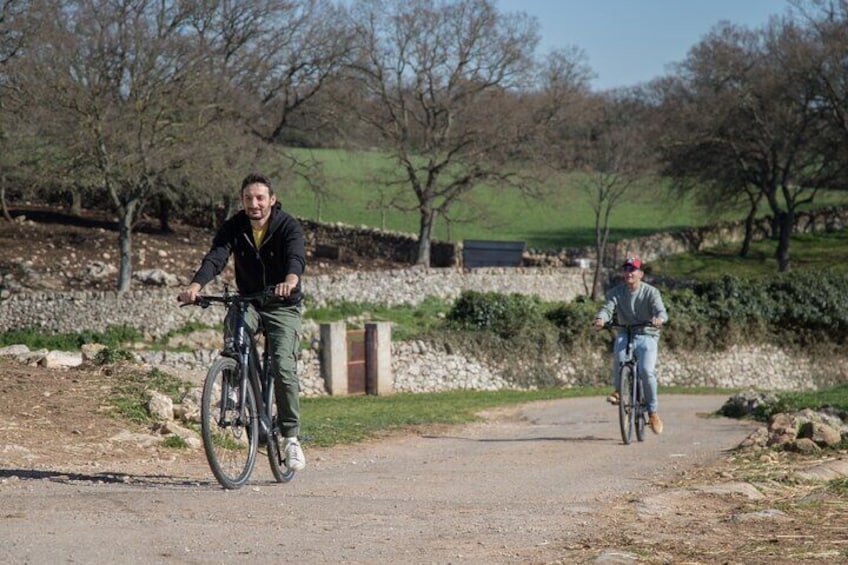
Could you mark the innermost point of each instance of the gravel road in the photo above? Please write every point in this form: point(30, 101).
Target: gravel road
point(518, 488)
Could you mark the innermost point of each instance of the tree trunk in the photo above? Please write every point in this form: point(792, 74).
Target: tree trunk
point(754, 201)
point(229, 209)
point(125, 222)
point(6, 214)
point(597, 286)
point(425, 232)
point(165, 215)
point(749, 236)
point(600, 257)
point(785, 223)
point(76, 202)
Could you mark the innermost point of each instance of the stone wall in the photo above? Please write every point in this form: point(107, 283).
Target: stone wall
point(371, 242)
point(418, 366)
point(692, 240)
point(156, 312)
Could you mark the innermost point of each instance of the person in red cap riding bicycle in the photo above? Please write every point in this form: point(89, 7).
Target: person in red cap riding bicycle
point(636, 302)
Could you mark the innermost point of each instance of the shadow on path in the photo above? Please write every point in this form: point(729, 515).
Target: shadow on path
point(128, 479)
point(589, 438)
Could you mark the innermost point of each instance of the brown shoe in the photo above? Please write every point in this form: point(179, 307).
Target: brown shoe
point(613, 398)
point(655, 422)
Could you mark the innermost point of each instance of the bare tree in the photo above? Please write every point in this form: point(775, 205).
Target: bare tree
point(123, 87)
point(12, 35)
point(615, 157)
point(754, 121)
point(437, 80)
point(828, 21)
point(272, 58)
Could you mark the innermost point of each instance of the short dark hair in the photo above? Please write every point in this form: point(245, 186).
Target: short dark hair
point(257, 178)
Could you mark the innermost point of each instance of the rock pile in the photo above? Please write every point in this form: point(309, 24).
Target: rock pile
point(806, 431)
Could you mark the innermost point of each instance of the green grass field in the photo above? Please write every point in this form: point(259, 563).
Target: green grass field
point(563, 218)
point(807, 253)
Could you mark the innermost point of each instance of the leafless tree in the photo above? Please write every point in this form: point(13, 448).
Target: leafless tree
point(122, 90)
point(12, 35)
point(828, 22)
point(437, 79)
point(273, 58)
point(753, 120)
point(164, 101)
point(614, 157)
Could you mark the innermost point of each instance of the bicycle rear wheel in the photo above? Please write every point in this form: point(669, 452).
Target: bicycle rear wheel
point(230, 442)
point(626, 409)
point(276, 457)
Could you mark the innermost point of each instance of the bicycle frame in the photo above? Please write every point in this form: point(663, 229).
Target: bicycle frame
point(633, 409)
point(244, 347)
point(240, 368)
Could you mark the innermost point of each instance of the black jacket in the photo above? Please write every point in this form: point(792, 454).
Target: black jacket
point(283, 251)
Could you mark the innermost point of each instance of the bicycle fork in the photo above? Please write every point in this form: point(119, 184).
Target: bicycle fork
point(242, 354)
point(267, 389)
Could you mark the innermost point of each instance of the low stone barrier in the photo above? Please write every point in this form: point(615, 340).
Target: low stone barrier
point(419, 366)
point(156, 312)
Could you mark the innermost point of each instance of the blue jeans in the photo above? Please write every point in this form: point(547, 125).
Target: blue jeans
point(645, 349)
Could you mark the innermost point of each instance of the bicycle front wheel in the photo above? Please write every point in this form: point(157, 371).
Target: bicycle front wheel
point(640, 409)
point(626, 410)
point(230, 440)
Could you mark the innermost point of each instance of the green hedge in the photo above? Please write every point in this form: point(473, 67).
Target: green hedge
point(506, 315)
point(803, 310)
point(807, 310)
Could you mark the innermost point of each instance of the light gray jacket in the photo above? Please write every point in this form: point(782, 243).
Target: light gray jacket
point(634, 307)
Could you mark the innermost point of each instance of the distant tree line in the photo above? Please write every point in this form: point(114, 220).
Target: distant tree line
point(160, 107)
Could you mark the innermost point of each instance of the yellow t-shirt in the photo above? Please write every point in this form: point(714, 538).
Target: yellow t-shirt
point(259, 235)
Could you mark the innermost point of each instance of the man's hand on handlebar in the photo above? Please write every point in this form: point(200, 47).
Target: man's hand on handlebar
point(189, 294)
point(656, 322)
point(287, 287)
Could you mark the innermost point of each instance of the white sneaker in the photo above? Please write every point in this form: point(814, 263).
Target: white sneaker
point(295, 460)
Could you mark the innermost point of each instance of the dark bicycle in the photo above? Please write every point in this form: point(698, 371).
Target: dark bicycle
point(632, 405)
point(238, 411)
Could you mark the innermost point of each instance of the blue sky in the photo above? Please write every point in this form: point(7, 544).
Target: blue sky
point(632, 41)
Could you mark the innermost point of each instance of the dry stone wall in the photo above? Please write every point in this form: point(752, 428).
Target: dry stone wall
point(156, 312)
point(419, 366)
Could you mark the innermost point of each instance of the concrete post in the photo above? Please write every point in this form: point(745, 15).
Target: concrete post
point(378, 358)
point(334, 357)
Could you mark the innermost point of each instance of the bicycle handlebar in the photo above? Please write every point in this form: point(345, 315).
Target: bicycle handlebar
point(205, 300)
point(648, 324)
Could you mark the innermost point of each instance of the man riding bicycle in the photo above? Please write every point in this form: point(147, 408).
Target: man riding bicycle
point(636, 302)
point(269, 250)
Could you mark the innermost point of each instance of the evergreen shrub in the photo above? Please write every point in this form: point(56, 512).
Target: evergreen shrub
point(504, 314)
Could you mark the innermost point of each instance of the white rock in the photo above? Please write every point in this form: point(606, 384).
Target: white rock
point(60, 359)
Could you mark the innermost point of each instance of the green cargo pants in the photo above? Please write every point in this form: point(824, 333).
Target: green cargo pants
point(282, 326)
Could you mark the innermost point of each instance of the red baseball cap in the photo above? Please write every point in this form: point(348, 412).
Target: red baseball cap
point(632, 261)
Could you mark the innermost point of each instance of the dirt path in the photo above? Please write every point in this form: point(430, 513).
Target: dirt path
point(522, 488)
